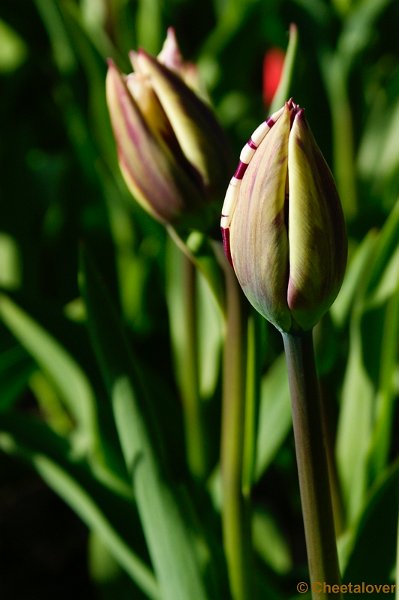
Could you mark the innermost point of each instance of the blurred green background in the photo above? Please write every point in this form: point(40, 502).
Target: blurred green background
point(60, 188)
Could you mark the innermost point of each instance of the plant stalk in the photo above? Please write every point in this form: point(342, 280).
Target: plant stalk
point(312, 466)
point(194, 429)
point(235, 514)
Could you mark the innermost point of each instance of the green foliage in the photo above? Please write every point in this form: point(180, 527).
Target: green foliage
point(98, 391)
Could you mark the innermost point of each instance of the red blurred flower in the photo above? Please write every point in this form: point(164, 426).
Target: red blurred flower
point(272, 68)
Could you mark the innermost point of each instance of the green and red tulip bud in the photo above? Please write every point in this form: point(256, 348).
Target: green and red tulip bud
point(172, 152)
point(283, 225)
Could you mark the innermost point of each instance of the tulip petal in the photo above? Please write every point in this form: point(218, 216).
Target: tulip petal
point(170, 54)
point(171, 57)
point(258, 232)
point(150, 170)
point(317, 240)
point(199, 134)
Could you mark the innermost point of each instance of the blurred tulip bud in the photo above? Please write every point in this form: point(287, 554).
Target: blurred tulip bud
point(283, 225)
point(172, 152)
point(171, 57)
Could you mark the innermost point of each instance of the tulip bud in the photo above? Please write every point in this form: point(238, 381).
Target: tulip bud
point(172, 152)
point(282, 223)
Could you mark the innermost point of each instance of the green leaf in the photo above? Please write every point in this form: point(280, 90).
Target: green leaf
point(230, 16)
point(270, 542)
point(91, 46)
point(16, 368)
point(110, 580)
point(373, 545)
point(70, 381)
point(397, 564)
point(10, 253)
point(210, 338)
point(209, 325)
point(50, 13)
point(359, 28)
point(378, 155)
point(196, 338)
point(256, 330)
point(283, 91)
point(354, 426)
point(384, 269)
point(13, 50)
point(368, 394)
point(149, 25)
point(274, 414)
point(169, 538)
point(387, 392)
point(206, 255)
point(104, 512)
point(356, 277)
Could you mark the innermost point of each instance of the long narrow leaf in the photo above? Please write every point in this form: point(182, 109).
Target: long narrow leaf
point(374, 538)
point(99, 508)
point(386, 393)
point(283, 91)
point(274, 414)
point(355, 280)
point(354, 427)
point(168, 535)
point(67, 376)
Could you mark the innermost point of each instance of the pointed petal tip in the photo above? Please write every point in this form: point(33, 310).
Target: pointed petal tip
point(170, 54)
point(114, 71)
point(143, 53)
point(171, 33)
point(133, 57)
point(114, 76)
point(300, 119)
point(111, 64)
point(143, 61)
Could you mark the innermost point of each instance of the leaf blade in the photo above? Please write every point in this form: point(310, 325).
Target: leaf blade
point(168, 536)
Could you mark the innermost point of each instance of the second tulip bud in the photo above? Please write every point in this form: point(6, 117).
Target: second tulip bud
point(172, 152)
point(283, 225)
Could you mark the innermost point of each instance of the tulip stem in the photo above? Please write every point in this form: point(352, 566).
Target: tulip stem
point(312, 466)
point(194, 430)
point(235, 513)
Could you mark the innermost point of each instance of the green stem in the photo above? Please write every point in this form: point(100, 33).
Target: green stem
point(182, 296)
point(312, 465)
point(194, 430)
point(236, 529)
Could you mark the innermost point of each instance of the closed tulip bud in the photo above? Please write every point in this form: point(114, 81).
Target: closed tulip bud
point(172, 152)
point(282, 223)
